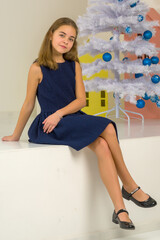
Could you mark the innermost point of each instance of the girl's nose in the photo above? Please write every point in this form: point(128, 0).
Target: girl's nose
point(65, 41)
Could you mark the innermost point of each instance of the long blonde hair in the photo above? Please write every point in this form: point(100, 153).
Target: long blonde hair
point(45, 54)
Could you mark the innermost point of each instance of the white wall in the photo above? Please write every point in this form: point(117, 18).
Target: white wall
point(23, 26)
point(153, 3)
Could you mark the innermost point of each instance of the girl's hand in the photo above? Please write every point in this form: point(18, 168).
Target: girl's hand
point(51, 122)
point(10, 138)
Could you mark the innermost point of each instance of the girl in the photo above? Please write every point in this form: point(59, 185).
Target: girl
point(56, 78)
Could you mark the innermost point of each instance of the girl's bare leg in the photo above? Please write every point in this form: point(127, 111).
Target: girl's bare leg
point(109, 175)
point(109, 134)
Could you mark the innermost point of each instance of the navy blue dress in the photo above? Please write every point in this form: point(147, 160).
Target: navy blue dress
point(56, 90)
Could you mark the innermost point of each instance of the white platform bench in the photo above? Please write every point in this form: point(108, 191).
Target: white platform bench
point(56, 193)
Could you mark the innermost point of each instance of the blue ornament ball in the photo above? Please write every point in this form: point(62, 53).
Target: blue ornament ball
point(155, 79)
point(154, 98)
point(146, 97)
point(138, 75)
point(158, 103)
point(133, 5)
point(125, 59)
point(154, 60)
point(147, 35)
point(120, 0)
point(147, 61)
point(107, 57)
point(140, 103)
point(145, 39)
point(111, 38)
point(128, 29)
point(140, 18)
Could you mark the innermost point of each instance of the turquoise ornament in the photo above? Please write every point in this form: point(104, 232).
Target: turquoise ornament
point(154, 60)
point(147, 35)
point(125, 59)
point(107, 57)
point(158, 103)
point(146, 97)
point(133, 5)
point(140, 103)
point(140, 18)
point(138, 75)
point(154, 98)
point(128, 29)
point(147, 61)
point(155, 79)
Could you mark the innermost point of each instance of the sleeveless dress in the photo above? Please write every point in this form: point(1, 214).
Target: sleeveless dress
point(56, 90)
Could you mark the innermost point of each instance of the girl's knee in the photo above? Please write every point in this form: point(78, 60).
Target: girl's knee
point(110, 129)
point(99, 144)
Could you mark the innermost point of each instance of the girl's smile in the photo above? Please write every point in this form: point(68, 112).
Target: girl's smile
point(63, 46)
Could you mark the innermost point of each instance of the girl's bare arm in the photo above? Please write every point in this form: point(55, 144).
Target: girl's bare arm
point(34, 76)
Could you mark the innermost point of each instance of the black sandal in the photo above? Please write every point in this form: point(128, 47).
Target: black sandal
point(150, 202)
point(122, 224)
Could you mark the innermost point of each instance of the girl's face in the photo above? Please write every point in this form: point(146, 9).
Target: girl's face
point(63, 39)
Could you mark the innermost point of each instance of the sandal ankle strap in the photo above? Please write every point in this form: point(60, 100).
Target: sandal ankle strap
point(122, 210)
point(134, 191)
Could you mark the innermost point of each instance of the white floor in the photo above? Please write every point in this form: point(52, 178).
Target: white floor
point(155, 235)
point(137, 130)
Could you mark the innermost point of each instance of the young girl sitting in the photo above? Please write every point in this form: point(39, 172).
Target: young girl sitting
point(56, 79)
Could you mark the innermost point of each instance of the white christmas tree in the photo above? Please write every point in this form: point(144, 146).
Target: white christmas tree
point(119, 17)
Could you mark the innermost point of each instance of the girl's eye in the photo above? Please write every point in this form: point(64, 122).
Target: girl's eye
point(72, 40)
